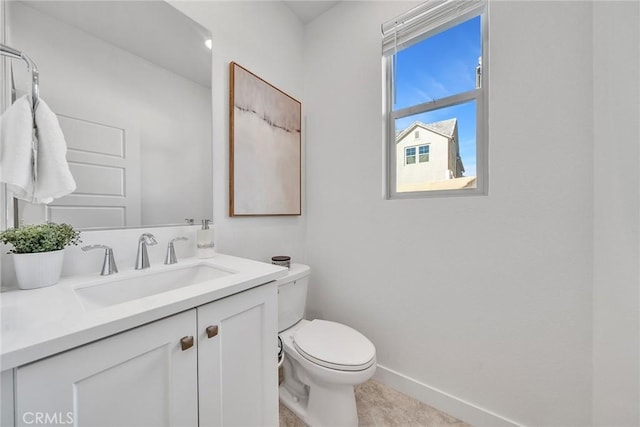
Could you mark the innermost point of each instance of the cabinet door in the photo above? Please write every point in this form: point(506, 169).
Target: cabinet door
point(237, 376)
point(141, 377)
point(6, 398)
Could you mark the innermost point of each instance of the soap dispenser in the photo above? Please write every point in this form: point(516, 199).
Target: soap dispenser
point(205, 241)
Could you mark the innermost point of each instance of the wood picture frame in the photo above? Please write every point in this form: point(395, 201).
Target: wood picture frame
point(264, 147)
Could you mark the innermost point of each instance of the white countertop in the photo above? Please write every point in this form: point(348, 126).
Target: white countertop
point(41, 322)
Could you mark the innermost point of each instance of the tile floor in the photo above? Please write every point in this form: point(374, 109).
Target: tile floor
point(380, 405)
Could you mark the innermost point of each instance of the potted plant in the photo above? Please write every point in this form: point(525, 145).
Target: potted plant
point(38, 252)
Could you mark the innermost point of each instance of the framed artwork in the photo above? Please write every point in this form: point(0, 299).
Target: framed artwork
point(264, 147)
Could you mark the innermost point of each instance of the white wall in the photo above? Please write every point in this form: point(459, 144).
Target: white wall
point(616, 267)
point(488, 298)
point(266, 38)
point(512, 331)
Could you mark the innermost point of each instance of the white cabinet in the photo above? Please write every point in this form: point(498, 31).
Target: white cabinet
point(237, 375)
point(6, 398)
point(140, 377)
point(150, 376)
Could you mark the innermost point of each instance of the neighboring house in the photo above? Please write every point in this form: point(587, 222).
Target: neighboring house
point(428, 157)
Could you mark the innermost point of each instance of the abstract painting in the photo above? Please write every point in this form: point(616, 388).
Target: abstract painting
point(264, 147)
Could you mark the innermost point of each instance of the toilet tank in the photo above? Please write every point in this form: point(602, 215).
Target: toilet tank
point(292, 296)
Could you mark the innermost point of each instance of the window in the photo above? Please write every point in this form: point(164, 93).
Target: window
point(410, 155)
point(423, 152)
point(436, 75)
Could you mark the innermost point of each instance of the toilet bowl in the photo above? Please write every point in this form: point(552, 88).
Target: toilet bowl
point(323, 361)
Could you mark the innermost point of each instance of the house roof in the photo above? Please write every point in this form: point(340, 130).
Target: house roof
point(445, 128)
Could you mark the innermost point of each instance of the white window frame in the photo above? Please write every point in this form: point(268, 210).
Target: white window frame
point(416, 25)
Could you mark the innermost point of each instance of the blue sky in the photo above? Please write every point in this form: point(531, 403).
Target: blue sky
point(440, 66)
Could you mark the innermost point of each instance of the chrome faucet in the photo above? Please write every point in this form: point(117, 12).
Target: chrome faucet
point(109, 264)
point(142, 258)
point(170, 257)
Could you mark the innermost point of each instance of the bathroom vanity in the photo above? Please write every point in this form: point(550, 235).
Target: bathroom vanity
point(113, 351)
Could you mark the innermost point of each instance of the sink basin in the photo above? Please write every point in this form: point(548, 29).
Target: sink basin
point(118, 291)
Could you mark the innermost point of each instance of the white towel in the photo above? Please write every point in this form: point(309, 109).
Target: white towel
point(16, 149)
point(53, 177)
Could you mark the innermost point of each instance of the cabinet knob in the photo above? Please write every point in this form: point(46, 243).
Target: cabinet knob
point(186, 342)
point(212, 331)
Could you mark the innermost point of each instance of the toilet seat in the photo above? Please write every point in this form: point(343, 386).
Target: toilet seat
point(334, 345)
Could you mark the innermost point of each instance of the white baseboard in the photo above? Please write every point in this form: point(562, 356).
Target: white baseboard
point(465, 411)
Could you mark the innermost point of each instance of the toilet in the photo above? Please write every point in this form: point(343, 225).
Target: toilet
point(323, 360)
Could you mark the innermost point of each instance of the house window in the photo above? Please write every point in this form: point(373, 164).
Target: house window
point(436, 81)
point(423, 153)
point(410, 155)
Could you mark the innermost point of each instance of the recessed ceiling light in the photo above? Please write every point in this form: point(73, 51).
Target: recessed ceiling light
point(208, 43)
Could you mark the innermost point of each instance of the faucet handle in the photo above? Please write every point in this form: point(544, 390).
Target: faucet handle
point(109, 263)
point(170, 257)
point(148, 238)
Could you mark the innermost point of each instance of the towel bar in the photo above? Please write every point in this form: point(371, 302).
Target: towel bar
point(31, 66)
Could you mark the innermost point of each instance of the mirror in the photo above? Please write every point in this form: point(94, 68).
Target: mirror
point(130, 82)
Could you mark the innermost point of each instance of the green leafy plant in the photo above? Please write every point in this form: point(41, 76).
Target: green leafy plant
point(40, 238)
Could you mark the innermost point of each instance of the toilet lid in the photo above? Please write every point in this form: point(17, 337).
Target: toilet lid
point(334, 345)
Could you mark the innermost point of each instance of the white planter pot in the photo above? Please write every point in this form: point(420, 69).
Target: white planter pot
point(38, 270)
